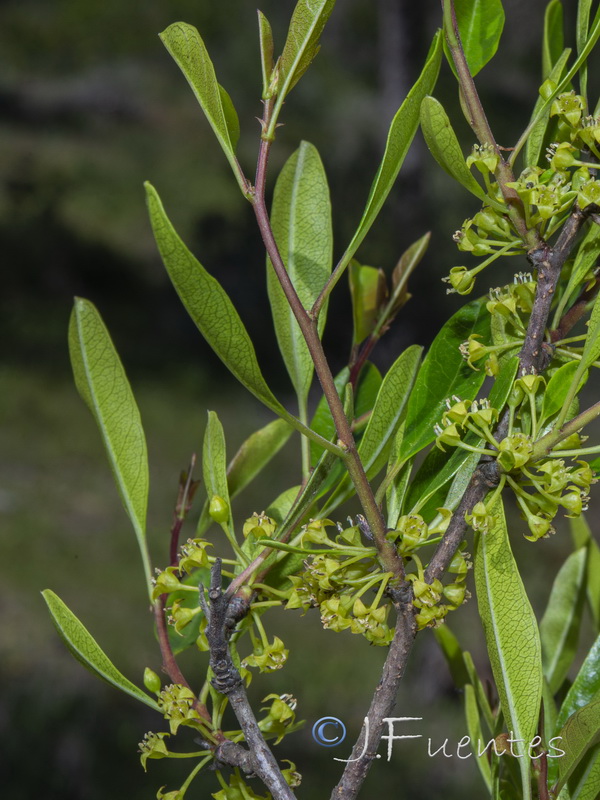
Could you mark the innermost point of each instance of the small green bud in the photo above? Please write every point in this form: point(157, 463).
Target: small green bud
point(151, 681)
point(218, 509)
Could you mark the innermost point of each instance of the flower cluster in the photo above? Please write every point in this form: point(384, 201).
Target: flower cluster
point(177, 705)
point(461, 419)
point(555, 485)
point(428, 597)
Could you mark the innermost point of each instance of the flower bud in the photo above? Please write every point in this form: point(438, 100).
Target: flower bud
point(151, 681)
point(218, 509)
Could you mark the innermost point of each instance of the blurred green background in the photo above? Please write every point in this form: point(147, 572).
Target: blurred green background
point(90, 106)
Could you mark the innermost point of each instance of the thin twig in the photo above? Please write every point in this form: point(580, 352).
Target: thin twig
point(227, 681)
point(390, 559)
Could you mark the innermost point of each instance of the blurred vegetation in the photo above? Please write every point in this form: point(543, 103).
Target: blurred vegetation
point(90, 106)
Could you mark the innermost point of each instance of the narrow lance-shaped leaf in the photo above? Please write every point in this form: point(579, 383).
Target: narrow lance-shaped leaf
point(582, 30)
point(103, 385)
point(443, 144)
point(582, 536)
point(535, 141)
point(584, 689)
point(584, 783)
point(587, 255)
point(185, 45)
point(453, 654)
point(474, 728)
point(214, 461)
point(580, 734)
point(480, 25)
point(559, 628)
point(553, 43)
point(266, 52)
point(301, 221)
point(400, 135)
point(558, 388)
point(511, 634)
point(209, 306)
point(368, 291)
point(86, 650)
point(302, 42)
point(444, 373)
point(591, 349)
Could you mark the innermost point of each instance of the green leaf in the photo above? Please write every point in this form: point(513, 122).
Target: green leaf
point(302, 42)
point(368, 291)
point(282, 505)
point(558, 388)
point(592, 38)
point(103, 385)
point(453, 654)
point(553, 43)
point(581, 732)
point(585, 687)
point(480, 692)
point(398, 485)
point(582, 536)
point(255, 453)
point(591, 349)
point(559, 628)
point(444, 373)
point(537, 136)
point(266, 52)
point(480, 24)
point(474, 729)
point(584, 784)
point(400, 135)
point(209, 306)
point(301, 221)
point(511, 634)
point(185, 45)
point(582, 31)
point(87, 651)
point(214, 471)
point(443, 144)
point(387, 415)
point(440, 467)
point(585, 260)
